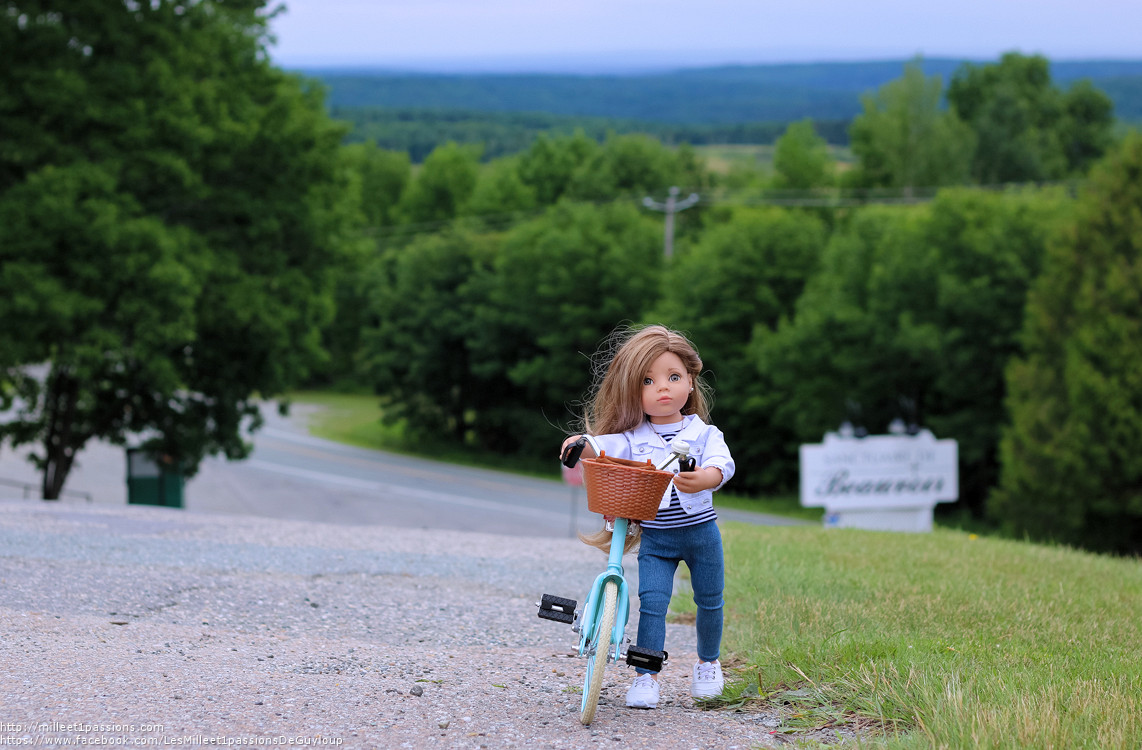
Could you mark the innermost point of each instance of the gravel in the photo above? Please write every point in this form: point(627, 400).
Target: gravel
point(136, 626)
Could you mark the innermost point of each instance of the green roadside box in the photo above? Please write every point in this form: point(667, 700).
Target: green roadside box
point(151, 482)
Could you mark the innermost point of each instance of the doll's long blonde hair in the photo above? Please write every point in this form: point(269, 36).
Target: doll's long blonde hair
point(615, 401)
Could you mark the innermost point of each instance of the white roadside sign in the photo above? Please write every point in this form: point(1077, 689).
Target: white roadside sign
point(889, 482)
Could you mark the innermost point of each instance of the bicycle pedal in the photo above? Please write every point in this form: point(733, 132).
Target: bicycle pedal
point(646, 658)
point(557, 608)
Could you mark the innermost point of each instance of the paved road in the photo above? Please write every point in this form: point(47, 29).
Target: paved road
point(292, 475)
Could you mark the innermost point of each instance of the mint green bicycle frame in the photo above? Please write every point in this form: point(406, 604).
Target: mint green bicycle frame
point(589, 640)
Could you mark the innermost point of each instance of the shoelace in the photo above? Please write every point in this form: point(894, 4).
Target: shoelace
point(644, 680)
point(707, 672)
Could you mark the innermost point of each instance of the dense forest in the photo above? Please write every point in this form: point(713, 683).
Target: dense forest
point(419, 131)
point(762, 93)
point(724, 105)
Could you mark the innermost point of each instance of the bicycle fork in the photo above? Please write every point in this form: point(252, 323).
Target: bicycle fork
point(585, 622)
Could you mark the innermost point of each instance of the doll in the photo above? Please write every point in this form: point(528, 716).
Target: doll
point(648, 392)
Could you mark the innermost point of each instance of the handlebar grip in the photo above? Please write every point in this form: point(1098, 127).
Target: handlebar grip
point(686, 464)
point(572, 453)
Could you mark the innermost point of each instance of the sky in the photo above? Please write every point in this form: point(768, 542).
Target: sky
point(591, 36)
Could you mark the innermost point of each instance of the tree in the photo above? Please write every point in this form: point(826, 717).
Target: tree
point(500, 192)
point(60, 229)
point(801, 159)
point(548, 166)
point(172, 207)
point(1072, 456)
point(633, 166)
point(1026, 129)
point(415, 351)
point(1085, 129)
point(442, 186)
point(743, 276)
point(988, 249)
point(557, 286)
point(846, 351)
point(383, 176)
point(374, 181)
point(903, 139)
point(914, 314)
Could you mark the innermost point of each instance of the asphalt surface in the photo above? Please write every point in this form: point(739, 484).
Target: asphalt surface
point(294, 476)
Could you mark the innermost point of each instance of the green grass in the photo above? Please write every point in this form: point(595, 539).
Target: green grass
point(945, 640)
point(351, 418)
point(778, 505)
point(355, 419)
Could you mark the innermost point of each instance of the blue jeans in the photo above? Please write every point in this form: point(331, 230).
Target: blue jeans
point(660, 551)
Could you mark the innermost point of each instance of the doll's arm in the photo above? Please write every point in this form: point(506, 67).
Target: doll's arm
point(716, 461)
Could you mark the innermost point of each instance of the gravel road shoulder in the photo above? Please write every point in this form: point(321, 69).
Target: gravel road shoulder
point(138, 623)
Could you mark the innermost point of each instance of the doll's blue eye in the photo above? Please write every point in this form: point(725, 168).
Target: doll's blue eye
point(675, 377)
point(648, 381)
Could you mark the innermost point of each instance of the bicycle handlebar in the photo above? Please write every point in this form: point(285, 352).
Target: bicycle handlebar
point(680, 451)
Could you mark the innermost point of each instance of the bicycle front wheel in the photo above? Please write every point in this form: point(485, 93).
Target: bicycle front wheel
point(597, 661)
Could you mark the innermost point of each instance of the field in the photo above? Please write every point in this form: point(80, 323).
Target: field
point(724, 157)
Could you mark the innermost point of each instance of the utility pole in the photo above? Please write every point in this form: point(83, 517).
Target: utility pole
point(670, 207)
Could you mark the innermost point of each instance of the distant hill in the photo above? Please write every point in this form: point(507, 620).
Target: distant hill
point(702, 96)
point(419, 131)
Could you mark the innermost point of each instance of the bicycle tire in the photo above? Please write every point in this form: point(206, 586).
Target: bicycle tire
point(597, 662)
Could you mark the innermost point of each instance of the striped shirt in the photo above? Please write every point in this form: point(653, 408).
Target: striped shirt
point(673, 516)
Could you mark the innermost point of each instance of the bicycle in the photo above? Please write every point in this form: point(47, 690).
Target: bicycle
point(628, 491)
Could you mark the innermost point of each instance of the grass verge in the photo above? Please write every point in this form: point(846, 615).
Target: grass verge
point(355, 419)
point(778, 505)
point(350, 418)
point(939, 640)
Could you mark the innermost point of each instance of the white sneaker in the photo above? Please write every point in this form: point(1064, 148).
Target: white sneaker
point(708, 681)
point(643, 693)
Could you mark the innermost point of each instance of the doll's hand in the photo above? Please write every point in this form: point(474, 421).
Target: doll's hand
point(567, 442)
point(587, 450)
point(695, 481)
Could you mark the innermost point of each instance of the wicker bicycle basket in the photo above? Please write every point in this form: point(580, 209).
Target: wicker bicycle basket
point(624, 489)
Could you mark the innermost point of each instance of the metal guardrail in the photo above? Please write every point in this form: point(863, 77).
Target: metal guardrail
point(38, 490)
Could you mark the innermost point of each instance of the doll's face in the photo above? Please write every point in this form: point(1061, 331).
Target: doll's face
point(665, 388)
